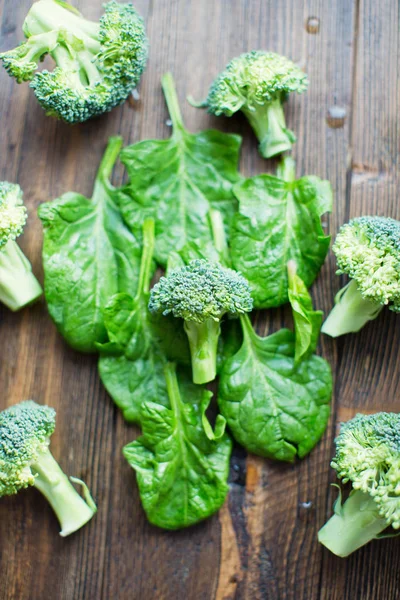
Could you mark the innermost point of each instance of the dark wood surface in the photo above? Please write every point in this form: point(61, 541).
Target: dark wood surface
point(262, 545)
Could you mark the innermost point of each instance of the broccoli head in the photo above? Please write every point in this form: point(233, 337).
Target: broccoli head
point(25, 460)
point(97, 64)
point(200, 293)
point(367, 456)
point(368, 250)
point(18, 285)
point(257, 83)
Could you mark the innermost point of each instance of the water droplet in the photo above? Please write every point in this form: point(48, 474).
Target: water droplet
point(312, 25)
point(336, 117)
point(168, 123)
point(135, 94)
point(306, 505)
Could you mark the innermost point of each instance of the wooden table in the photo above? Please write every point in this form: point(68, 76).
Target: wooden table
point(262, 544)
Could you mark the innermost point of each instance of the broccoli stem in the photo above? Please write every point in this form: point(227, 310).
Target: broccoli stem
point(50, 15)
point(354, 524)
point(71, 509)
point(203, 343)
point(171, 98)
point(351, 312)
point(268, 123)
point(18, 285)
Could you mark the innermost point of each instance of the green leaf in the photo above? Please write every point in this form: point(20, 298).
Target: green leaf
point(307, 321)
point(89, 254)
point(272, 407)
point(278, 221)
point(177, 181)
point(181, 464)
point(131, 364)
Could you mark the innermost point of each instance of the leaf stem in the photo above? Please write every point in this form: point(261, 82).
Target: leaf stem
point(106, 166)
point(218, 231)
point(172, 387)
point(147, 257)
point(171, 98)
point(287, 169)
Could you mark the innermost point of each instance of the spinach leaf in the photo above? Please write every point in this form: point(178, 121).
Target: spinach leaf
point(131, 364)
point(89, 254)
point(279, 220)
point(177, 181)
point(273, 407)
point(307, 321)
point(181, 464)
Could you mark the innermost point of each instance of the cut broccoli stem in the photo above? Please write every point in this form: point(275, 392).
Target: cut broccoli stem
point(353, 525)
point(171, 98)
point(103, 186)
point(50, 15)
point(18, 285)
point(268, 123)
point(71, 509)
point(219, 236)
point(203, 343)
point(351, 312)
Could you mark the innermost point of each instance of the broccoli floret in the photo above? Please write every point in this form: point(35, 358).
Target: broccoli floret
point(97, 64)
point(18, 285)
point(367, 456)
point(25, 460)
point(368, 250)
point(257, 83)
point(200, 293)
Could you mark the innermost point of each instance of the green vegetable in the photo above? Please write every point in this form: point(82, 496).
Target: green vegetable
point(367, 456)
point(181, 464)
point(257, 83)
point(132, 363)
point(307, 321)
point(89, 254)
point(273, 407)
point(368, 250)
point(18, 285)
point(25, 460)
point(97, 64)
point(201, 293)
point(177, 181)
point(279, 220)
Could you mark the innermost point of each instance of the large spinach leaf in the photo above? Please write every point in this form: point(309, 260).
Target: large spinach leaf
point(89, 254)
point(131, 364)
point(177, 181)
point(273, 407)
point(181, 464)
point(279, 220)
point(307, 321)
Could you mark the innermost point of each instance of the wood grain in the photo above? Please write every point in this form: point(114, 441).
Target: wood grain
point(262, 545)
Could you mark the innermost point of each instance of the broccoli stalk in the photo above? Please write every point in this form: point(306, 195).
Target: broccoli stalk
point(25, 460)
point(269, 125)
point(367, 249)
point(201, 293)
point(367, 456)
point(18, 285)
point(73, 512)
point(354, 524)
point(351, 311)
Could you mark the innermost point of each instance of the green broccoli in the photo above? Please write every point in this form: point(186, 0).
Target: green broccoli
point(97, 64)
point(257, 83)
point(367, 456)
point(201, 293)
point(368, 250)
point(18, 285)
point(25, 460)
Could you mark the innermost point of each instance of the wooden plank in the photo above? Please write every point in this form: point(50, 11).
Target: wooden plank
point(368, 373)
